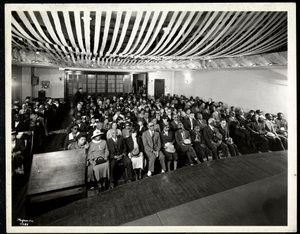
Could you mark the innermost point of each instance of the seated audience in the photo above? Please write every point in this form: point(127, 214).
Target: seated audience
point(223, 129)
point(71, 137)
point(199, 145)
point(200, 121)
point(135, 149)
point(114, 126)
point(152, 147)
point(271, 132)
point(281, 125)
point(174, 123)
point(17, 151)
point(97, 161)
point(189, 122)
point(126, 130)
point(80, 143)
point(238, 132)
point(183, 140)
point(213, 140)
point(259, 139)
point(117, 155)
point(168, 149)
point(140, 128)
point(156, 125)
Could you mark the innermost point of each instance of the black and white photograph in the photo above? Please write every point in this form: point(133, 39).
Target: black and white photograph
point(150, 117)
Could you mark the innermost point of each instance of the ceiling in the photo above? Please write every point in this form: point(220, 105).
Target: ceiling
point(149, 39)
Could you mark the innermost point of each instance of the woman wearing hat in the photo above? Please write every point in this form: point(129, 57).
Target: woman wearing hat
point(135, 150)
point(97, 160)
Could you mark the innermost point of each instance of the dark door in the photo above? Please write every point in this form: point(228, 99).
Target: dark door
point(159, 88)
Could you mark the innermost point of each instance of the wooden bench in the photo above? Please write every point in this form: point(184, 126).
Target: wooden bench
point(57, 174)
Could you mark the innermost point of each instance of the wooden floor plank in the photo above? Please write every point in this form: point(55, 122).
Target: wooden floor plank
point(151, 195)
point(249, 204)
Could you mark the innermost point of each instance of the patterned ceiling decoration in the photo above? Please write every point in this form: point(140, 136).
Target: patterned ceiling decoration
point(149, 39)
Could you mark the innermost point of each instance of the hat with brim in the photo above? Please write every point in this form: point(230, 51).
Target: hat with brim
point(96, 133)
point(187, 141)
point(170, 148)
point(270, 134)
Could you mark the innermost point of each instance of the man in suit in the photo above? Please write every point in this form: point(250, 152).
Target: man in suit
point(20, 125)
point(260, 141)
point(223, 129)
point(199, 144)
point(117, 154)
point(213, 142)
point(269, 127)
point(181, 136)
point(152, 147)
point(174, 123)
point(190, 122)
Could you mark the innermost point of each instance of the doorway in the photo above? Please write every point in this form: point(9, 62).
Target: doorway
point(140, 84)
point(159, 88)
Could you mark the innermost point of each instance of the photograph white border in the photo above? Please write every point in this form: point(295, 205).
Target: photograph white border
point(292, 107)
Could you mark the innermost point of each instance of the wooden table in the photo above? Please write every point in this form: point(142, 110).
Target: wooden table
point(57, 174)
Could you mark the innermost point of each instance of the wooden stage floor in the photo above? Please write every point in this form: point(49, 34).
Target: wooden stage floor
point(219, 182)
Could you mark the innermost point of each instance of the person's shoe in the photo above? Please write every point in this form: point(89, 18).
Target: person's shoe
point(163, 171)
point(197, 161)
point(128, 181)
point(149, 173)
point(111, 186)
point(191, 164)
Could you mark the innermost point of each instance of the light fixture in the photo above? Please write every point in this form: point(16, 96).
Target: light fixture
point(85, 18)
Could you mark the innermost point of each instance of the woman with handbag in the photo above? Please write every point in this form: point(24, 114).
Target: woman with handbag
point(135, 148)
point(97, 161)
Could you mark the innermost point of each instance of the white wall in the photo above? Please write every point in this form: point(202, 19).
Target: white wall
point(166, 75)
point(56, 78)
point(26, 82)
point(252, 88)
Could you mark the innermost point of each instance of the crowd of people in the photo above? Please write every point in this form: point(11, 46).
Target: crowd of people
point(132, 132)
point(138, 135)
point(36, 116)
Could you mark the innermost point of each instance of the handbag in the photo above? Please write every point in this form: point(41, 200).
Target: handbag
point(229, 141)
point(100, 160)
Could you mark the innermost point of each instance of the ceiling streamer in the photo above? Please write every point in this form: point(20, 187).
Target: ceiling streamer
point(148, 38)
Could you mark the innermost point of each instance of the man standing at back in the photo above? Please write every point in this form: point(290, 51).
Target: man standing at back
point(152, 147)
point(78, 97)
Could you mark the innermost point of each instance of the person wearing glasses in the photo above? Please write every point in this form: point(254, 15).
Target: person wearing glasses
point(152, 147)
point(71, 137)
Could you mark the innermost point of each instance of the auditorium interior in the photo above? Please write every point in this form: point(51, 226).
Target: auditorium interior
point(145, 116)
